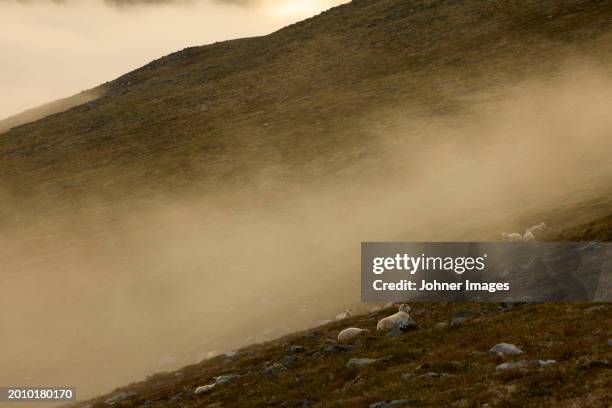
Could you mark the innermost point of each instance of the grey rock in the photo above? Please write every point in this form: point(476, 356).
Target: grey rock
point(312, 335)
point(457, 321)
point(338, 348)
point(465, 314)
point(390, 404)
point(525, 364)
point(121, 396)
point(226, 379)
point(506, 349)
point(177, 397)
point(596, 364)
point(289, 360)
point(435, 375)
point(441, 325)
point(512, 366)
point(407, 376)
point(274, 369)
point(360, 362)
point(296, 349)
point(546, 363)
point(507, 306)
point(594, 309)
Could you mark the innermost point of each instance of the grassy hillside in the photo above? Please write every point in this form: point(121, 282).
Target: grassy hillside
point(118, 221)
point(294, 100)
point(430, 367)
point(47, 109)
point(571, 334)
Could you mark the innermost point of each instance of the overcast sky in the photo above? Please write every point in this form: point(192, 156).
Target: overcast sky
point(55, 48)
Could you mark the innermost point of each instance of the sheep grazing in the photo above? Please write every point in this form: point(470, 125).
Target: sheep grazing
point(350, 333)
point(537, 229)
point(528, 236)
point(345, 314)
point(513, 237)
point(389, 322)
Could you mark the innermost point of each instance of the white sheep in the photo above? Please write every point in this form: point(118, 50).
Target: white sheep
point(345, 314)
point(350, 333)
point(528, 236)
point(204, 388)
point(512, 237)
point(537, 229)
point(389, 322)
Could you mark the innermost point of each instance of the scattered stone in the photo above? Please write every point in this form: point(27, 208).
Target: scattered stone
point(435, 375)
point(225, 379)
point(338, 348)
point(546, 363)
point(296, 349)
point(385, 359)
point(465, 314)
point(274, 369)
point(610, 342)
point(360, 362)
point(289, 360)
point(204, 388)
point(441, 325)
point(457, 321)
point(512, 366)
point(505, 349)
point(120, 397)
point(389, 404)
point(594, 309)
point(525, 364)
point(230, 353)
point(507, 306)
point(311, 336)
point(596, 364)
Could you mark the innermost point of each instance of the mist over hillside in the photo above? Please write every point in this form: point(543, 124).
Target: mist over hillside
point(217, 196)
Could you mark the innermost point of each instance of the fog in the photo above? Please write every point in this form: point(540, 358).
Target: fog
point(104, 297)
point(54, 49)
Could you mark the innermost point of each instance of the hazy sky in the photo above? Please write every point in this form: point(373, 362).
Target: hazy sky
point(55, 48)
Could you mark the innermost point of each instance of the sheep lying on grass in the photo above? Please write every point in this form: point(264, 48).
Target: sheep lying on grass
point(351, 332)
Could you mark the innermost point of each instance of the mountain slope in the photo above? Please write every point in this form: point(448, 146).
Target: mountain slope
point(47, 109)
point(202, 177)
point(295, 98)
point(428, 367)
